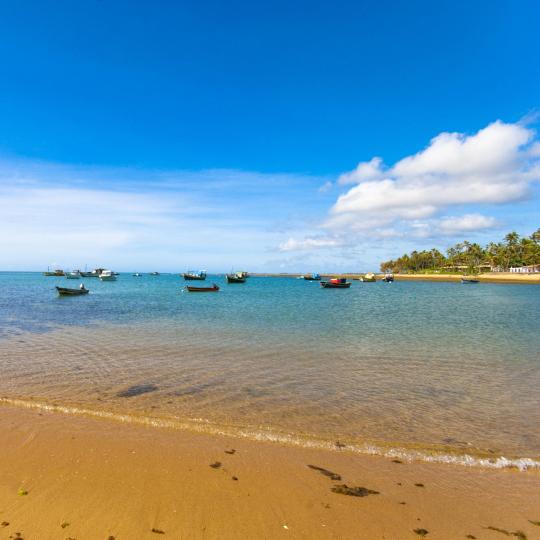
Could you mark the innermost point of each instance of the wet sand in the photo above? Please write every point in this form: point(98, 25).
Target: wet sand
point(83, 478)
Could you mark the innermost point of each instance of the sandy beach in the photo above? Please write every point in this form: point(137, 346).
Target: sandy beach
point(83, 478)
point(490, 277)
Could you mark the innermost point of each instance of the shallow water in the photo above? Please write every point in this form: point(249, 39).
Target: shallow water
point(440, 368)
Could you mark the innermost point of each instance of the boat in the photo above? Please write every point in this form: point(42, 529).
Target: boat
point(107, 275)
point(237, 277)
point(190, 275)
point(64, 291)
point(213, 288)
point(469, 280)
point(336, 283)
point(388, 277)
point(75, 274)
point(368, 278)
point(312, 277)
point(54, 273)
point(136, 274)
point(94, 273)
point(154, 273)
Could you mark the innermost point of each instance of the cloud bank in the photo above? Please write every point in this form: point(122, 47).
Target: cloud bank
point(421, 194)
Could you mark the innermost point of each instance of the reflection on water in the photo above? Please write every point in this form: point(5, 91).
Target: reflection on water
point(422, 365)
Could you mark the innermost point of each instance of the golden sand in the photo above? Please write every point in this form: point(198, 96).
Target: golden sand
point(67, 477)
point(489, 277)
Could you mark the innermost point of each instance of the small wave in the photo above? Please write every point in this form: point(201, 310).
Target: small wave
point(204, 426)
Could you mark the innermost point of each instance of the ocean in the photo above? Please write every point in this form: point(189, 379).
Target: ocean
point(416, 370)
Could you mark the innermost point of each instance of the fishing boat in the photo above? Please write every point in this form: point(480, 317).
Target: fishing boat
point(336, 283)
point(94, 273)
point(54, 273)
point(237, 277)
point(388, 277)
point(213, 288)
point(64, 291)
point(190, 275)
point(154, 273)
point(136, 274)
point(469, 280)
point(368, 278)
point(107, 275)
point(75, 274)
point(312, 277)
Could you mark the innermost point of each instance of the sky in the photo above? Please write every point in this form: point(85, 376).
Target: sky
point(268, 136)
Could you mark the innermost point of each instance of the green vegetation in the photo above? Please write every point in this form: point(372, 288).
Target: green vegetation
point(513, 251)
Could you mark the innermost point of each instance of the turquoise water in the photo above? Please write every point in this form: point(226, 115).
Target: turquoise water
point(438, 367)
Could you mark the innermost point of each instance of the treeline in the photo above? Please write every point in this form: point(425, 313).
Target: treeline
point(513, 251)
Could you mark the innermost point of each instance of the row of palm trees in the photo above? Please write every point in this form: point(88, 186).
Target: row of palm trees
point(513, 251)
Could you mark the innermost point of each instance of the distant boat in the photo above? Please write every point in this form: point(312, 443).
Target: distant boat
point(336, 283)
point(190, 275)
point(368, 278)
point(54, 273)
point(312, 277)
point(63, 291)
point(107, 275)
point(213, 288)
point(469, 280)
point(154, 273)
point(76, 274)
point(388, 277)
point(94, 273)
point(136, 274)
point(237, 277)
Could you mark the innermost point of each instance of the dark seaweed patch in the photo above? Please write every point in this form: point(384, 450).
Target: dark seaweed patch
point(326, 472)
point(137, 390)
point(157, 531)
point(344, 489)
point(4, 523)
point(518, 534)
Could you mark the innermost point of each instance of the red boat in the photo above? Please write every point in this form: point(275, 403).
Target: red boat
point(336, 283)
point(213, 288)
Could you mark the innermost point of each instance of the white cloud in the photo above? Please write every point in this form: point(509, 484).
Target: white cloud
point(133, 219)
point(496, 165)
point(310, 243)
point(468, 222)
point(364, 172)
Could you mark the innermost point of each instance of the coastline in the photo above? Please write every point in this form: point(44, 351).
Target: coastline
point(491, 277)
point(117, 480)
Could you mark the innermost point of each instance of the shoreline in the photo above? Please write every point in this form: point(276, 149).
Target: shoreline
point(462, 456)
point(122, 481)
point(491, 277)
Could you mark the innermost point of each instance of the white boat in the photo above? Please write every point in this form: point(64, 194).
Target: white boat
point(107, 275)
point(75, 274)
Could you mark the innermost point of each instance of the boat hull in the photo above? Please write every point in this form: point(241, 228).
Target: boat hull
point(192, 277)
point(63, 291)
point(470, 280)
point(215, 288)
point(235, 279)
point(328, 285)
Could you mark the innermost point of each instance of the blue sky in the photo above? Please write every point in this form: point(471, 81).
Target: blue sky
point(219, 134)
